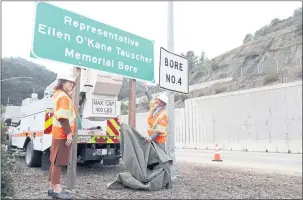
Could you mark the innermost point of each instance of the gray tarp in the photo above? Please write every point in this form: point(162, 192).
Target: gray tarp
point(147, 163)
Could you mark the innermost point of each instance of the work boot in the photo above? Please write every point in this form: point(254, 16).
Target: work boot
point(62, 195)
point(50, 192)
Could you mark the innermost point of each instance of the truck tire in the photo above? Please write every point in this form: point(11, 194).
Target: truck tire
point(32, 157)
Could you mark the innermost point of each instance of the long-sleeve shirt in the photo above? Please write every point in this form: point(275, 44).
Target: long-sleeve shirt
point(65, 125)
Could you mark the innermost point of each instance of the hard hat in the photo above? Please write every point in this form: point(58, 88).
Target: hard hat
point(163, 98)
point(65, 76)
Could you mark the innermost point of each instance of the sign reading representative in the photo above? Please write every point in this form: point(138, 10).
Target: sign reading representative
point(101, 106)
point(173, 72)
point(67, 37)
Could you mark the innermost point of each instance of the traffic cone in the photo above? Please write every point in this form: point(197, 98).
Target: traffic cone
point(217, 154)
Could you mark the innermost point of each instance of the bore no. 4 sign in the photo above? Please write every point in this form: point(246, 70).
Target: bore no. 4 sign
point(173, 72)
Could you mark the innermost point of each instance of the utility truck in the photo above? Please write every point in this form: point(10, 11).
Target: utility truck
point(99, 110)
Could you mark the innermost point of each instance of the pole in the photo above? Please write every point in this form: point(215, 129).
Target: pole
point(170, 144)
point(132, 103)
point(72, 165)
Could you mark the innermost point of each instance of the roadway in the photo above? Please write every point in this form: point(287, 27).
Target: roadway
point(275, 162)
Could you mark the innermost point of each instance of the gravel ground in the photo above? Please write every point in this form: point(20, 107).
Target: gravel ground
point(194, 182)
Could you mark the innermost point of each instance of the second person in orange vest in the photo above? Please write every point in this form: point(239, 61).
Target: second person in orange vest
point(157, 119)
point(64, 125)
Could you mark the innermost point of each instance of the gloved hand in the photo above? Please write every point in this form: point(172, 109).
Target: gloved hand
point(148, 139)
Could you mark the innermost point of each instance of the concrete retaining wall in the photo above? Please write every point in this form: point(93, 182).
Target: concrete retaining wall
point(259, 119)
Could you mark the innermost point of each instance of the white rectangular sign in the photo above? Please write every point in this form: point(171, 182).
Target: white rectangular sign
point(101, 106)
point(173, 72)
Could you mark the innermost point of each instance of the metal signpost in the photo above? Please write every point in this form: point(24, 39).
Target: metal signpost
point(72, 165)
point(173, 76)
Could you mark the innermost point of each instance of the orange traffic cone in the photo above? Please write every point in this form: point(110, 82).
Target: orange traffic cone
point(217, 154)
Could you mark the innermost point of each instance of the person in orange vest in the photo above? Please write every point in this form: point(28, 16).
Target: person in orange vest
point(64, 125)
point(157, 119)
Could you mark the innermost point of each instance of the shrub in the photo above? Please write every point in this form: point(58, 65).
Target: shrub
point(214, 66)
point(3, 134)
point(124, 112)
point(201, 93)
point(270, 78)
point(8, 168)
point(297, 12)
point(220, 89)
point(249, 37)
point(124, 106)
point(274, 22)
point(183, 97)
point(223, 75)
point(145, 104)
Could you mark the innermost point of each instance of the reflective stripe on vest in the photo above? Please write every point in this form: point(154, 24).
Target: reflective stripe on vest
point(153, 123)
point(70, 113)
point(156, 127)
point(67, 112)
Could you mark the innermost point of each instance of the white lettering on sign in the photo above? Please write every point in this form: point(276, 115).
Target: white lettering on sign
point(101, 106)
point(173, 72)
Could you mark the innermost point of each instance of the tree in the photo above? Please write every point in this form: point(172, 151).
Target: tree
point(297, 12)
point(203, 58)
point(8, 168)
point(192, 59)
point(248, 38)
point(19, 89)
point(274, 21)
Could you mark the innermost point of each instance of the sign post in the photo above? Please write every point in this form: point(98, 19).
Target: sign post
point(132, 103)
point(72, 165)
point(173, 76)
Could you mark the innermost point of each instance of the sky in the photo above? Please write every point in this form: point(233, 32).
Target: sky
point(213, 27)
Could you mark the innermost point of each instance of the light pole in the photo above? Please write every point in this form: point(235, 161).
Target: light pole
point(170, 144)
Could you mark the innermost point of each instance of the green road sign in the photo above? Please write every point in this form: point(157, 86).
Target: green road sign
point(64, 36)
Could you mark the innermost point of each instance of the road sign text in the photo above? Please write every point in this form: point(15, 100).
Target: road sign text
point(67, 37)
point(173, 72)
point(104, 106)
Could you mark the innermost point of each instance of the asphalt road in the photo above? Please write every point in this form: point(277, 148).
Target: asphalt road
point(275, 162)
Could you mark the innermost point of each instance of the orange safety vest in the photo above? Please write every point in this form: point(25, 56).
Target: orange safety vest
point(64, 108)
point(157, 123)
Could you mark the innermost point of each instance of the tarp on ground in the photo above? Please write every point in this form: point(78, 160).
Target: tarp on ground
point(148, 165)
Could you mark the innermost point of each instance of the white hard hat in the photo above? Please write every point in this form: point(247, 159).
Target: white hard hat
point(65, 76)
point(163, 98)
